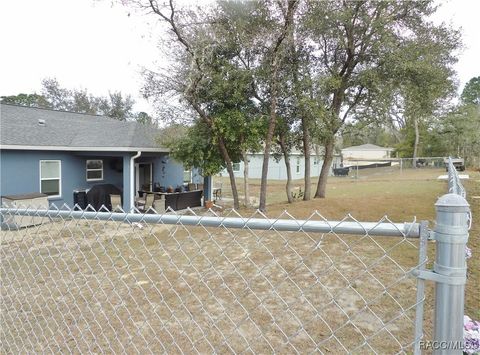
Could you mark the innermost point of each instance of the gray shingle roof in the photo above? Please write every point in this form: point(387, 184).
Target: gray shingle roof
point(19, 126)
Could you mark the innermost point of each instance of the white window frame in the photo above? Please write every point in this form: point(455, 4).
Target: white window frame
point(297, 167)
point(189, 173)
point(59, 176)
point(233, 167)
point(87, 170)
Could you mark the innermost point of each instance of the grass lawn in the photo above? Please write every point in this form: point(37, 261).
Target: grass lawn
point(376, 193)
point(472, 304)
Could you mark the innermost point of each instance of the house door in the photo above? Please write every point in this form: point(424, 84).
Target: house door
point(143, 177)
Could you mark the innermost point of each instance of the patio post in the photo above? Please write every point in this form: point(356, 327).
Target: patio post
point(127, 195)
point(207, 188)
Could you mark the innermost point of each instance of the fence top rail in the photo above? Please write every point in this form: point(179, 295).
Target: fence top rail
point(381, 228)
point(454, 184)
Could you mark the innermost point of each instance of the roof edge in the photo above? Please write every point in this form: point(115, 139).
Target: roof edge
point(83, 149)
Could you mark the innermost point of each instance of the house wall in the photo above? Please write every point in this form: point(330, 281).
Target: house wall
point(166, 171)
point(20, 172)
point(277, 169)
point(365, 154)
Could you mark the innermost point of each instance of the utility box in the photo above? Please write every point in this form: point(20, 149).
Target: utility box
point(31, 201)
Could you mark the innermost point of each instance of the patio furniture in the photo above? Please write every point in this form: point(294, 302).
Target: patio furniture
point(174, 200)
point(159, 203)
point(99, 195)
point(146, 204)
point(183, 200)
point(116, 203)
point(217, 192)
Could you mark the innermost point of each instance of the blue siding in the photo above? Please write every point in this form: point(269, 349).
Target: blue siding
point(20, 172)
point(167, 171)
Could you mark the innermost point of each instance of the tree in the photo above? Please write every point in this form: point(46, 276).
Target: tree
point(144, 118)
point(221, 71)
point(56, 97)
point(327, 63)
point(356, 42)
point(360, 132)
point(471, 92)
point(459, 128)
point(29, 100)
point(203, 79)
point(195, 147)
point(275, 58)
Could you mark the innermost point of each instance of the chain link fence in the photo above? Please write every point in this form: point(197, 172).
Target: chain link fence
point(454, 183)
point(102, 282)
point(105, 282)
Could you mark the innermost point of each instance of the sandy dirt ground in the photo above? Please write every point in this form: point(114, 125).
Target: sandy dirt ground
point(93, 286)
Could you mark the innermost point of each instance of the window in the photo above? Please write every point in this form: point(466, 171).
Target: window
point(315, 161)
point(51, 177)
point(94, 170)
point(297, 167)
point(187, 176)
point(236, 167)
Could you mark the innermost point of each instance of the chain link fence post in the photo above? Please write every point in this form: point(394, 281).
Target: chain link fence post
point(451, 235)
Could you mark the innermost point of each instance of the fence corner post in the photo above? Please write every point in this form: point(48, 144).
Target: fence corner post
point(451, 235)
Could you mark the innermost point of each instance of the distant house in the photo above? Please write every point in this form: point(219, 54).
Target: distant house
point(277, 169)
point(58, 152)
point(366, 152)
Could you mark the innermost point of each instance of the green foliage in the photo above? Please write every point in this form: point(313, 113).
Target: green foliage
point(460, 133)
point(57, 97)
point(144, 118)
point(29, 100)
point(455, 133)
point(471, 92)
point(196, 148)
point(371, 52)
point(380, 63)
point(81, 101)
point(359, 133)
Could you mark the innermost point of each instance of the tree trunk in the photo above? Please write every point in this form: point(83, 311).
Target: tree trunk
point(304, 118)
point(417, 140)
point(291, 7)
point(306, 154)
point(245, 178)
point(268, 141)
point(231, 174)
point(286, 157)
point(327, 163)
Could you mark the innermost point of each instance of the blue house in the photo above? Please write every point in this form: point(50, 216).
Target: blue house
point(58, 152)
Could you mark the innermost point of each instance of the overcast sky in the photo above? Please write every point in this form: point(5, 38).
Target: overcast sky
point(94, 45)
